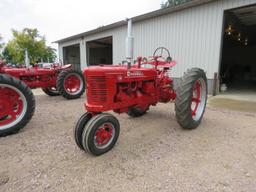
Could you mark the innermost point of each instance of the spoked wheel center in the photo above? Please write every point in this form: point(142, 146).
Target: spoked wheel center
point(3, 108)
point(13, 106)
point(198, 99)
point(73, 83)
point(104, 135)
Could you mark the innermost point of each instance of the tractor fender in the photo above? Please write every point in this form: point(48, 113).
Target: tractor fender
point(67, 66)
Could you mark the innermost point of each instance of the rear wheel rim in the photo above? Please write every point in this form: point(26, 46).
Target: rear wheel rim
point(198, 100)
point(73, 84)
point(104, 135)
point(13, 106)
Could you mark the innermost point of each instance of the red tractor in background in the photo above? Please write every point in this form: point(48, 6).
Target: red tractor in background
point(55, 80)
point(132, 89)
point(17, 103)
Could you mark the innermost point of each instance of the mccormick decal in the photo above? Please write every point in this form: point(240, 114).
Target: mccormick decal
point(134, 74)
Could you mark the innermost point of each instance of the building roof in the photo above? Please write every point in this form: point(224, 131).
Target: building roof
point(146, 16)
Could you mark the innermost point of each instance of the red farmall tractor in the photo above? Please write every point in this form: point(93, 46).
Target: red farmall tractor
point(132, 89)
point(55, 80)
point(17, 103)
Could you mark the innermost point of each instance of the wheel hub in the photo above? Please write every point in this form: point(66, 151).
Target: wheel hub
point(11, 106)
point(3, 107)
point(198, 99)
point(72, 84)
point(104, 134)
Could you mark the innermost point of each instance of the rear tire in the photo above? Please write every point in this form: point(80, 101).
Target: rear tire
point(100, 134)
point(51, 91)
point(191, 98)
point(137, 112)
point(71, 84)
point(17, 103)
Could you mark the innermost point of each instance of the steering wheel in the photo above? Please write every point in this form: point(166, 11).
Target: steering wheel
point(159, 53)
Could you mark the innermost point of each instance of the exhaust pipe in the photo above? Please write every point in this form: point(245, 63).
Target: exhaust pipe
point(129, 43)
point(27, 62)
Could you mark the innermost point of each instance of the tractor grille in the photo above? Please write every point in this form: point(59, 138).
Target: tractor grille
point(98, 89)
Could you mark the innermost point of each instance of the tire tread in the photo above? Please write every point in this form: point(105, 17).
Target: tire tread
point(6, 79)
point(60, 84)
point(184, 94)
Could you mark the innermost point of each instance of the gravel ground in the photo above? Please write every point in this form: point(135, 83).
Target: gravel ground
point(152, 154)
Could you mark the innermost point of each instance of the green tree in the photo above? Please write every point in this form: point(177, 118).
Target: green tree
point(1, 46)
point(49, 55)
point(28, 39)
point(171, 3)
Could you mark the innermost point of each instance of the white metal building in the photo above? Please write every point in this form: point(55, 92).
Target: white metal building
point(210, 34)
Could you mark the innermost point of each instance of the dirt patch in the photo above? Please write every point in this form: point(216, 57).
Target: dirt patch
point(3, 179)
point(232, 104)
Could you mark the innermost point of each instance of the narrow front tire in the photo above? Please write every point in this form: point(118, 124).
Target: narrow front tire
point(100, 134)
point(79, 128)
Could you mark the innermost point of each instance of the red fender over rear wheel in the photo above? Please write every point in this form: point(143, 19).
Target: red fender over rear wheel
point(17, 104)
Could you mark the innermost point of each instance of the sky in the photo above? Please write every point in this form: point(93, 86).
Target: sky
point(57, 19)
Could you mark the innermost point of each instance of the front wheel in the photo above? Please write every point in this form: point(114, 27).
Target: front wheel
point(71, 84)
point(17, 105)
point(100, 134)
point(79, 128)
point(191, 98)
point(51, 91)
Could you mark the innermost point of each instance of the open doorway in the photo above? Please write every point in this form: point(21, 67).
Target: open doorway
point(100, 51)
point(238, 65)
point(71, 55)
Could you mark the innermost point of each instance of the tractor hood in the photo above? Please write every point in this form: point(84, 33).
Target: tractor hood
point(120, 73)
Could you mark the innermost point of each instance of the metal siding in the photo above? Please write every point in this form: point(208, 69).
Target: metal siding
point(193, 36)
